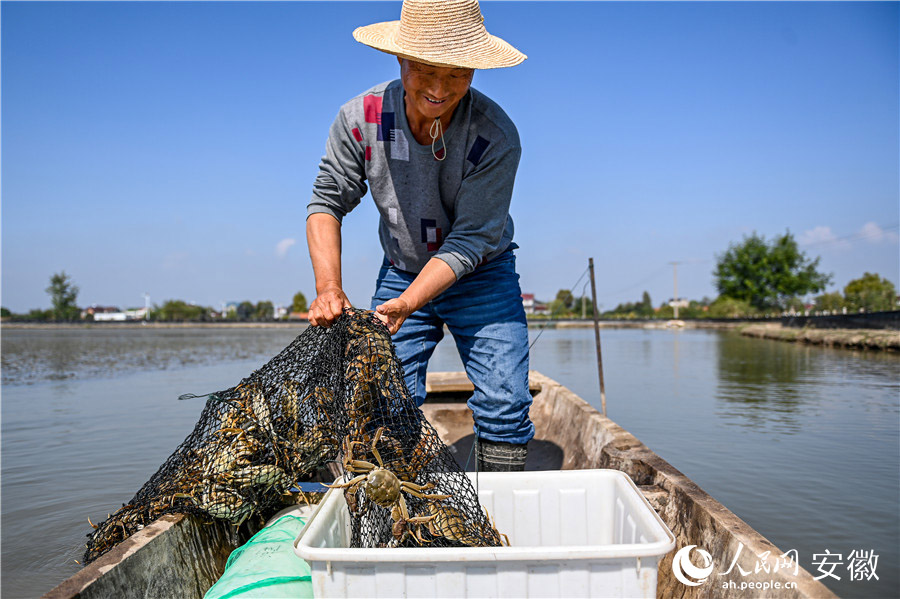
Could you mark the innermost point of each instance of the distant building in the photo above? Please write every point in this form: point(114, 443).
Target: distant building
point(113, 313)
point(94, 309)
point(280, 312)
point(528, 302)
point(532, 306)
point(109, 316)
point(101, 313)
point(136, 313)
point(298, 316)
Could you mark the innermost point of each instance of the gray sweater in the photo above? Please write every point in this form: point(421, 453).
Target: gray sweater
point(456, 209)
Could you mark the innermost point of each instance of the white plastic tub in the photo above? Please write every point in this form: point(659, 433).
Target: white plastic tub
point(574, 533)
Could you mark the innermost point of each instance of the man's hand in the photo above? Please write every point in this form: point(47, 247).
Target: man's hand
point(393, 312)
point(327, 306)
point(433, 280)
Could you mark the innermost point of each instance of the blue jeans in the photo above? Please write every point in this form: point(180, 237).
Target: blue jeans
point(484, 313)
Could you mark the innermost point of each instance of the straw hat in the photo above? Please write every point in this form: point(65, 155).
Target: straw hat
point(444, 33)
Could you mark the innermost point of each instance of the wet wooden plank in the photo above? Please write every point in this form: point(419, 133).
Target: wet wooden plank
point(458, 382)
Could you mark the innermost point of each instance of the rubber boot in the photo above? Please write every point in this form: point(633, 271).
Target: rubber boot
point(496, 456)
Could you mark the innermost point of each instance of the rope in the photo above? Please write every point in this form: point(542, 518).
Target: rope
point(436, 125)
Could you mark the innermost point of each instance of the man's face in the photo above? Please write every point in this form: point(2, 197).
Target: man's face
point(433, 92)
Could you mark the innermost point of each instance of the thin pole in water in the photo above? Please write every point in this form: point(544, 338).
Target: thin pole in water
point(597, 336)
point(675, 299)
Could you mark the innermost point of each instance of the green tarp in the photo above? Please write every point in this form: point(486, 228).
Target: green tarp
point(266, 566)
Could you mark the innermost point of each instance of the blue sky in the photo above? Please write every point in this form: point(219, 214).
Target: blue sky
point(170, 148)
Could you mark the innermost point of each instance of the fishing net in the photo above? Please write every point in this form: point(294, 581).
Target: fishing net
point(334, 394)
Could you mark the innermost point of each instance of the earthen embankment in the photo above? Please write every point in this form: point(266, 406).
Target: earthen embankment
point(870, 339)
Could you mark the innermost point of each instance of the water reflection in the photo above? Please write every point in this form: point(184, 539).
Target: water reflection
point(29, 356)
point(675, 353)
point(762, 384)
point(772, 385)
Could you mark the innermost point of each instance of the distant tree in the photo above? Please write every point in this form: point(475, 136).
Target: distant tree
point(694, 309)
point(871, 292)
point(34, 315)
point(646, 307)
point(566, 297)
point(831, 302)
point(265, 311)
point(765, 274)
point(63, 294)
point(4, 313)
point(641, 309)
point(179, 310)
point(587, 304)
point(667, 312)
point(245, 310)
point(557, 309)
point(728, 307)
point(795, 305)
point(299, 303)
point(625, 310)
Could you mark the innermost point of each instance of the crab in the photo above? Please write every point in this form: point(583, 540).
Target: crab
point(307, 451)
point(321, 398)
point(448, 522)
point(232, 450)
point(405, 526)
point(263, 476)
point(220, 501)
point(385, 489)
point(251, 398)
point(408, 463)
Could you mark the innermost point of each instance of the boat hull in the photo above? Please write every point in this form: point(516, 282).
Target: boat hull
point(578, 437)
point(178, 556)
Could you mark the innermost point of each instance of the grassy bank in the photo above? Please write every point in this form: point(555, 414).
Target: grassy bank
point(879, 339)
point(631, 324)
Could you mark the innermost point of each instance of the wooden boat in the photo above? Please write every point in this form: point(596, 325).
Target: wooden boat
point(179, 556)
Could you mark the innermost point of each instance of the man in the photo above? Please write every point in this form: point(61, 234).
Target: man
point(440, 159)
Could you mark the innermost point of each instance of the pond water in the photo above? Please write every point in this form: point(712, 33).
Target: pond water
point(801, 442)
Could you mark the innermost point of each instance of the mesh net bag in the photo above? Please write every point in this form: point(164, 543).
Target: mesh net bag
point(333, 394)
